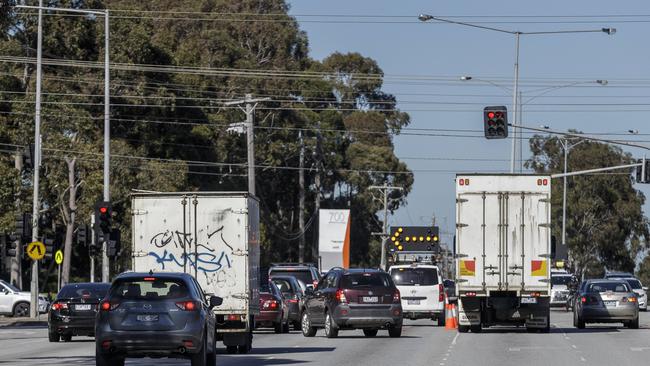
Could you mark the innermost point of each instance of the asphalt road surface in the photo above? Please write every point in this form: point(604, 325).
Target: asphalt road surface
point(421, 344)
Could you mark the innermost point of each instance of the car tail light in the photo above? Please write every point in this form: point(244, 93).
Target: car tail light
point(535, 294)
point(108, 306)
point(187, 305)
point(396, 297)
point(58, 306)
point(340, 296)
point(270, 305)
point(630, 299)
point(583, 300)
point(235, 318)
point(441, 293)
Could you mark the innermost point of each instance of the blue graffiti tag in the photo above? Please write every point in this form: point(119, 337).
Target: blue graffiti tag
point(207, 262)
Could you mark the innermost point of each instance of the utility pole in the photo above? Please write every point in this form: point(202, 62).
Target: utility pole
point(92, 245)
point(33, 311)
point(385, 189)
point(318, 161)
point(301, 204)
point(250, 134)
point(107, 141)
point(16, 263)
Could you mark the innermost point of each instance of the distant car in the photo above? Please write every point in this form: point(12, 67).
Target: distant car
point(305, 272)
point(292, 294)
point(74, 310)
point(274, 312)
point(450, 290)
point(609, 275)
point(14, 302)
point(422, 290)
point(156, 315)
point(364, 299)
point(640, 290)
point(560, 288)
point(606, 301)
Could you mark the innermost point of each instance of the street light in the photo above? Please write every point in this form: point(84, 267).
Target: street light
point(517, 34)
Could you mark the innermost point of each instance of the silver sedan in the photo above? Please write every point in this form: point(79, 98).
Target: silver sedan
point(606, 301)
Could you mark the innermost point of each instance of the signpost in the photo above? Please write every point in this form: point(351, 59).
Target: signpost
point(58, 259)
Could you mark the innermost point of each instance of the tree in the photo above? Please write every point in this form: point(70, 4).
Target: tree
point(606, 228)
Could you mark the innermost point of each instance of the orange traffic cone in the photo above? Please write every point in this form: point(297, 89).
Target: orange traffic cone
point(450, 320)
point(454, 315)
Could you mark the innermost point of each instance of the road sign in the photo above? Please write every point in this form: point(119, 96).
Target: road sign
point(36, 250)
point(58, 257)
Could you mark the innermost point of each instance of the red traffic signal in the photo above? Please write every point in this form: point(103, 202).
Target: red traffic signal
point(495, 122)
point(103, 216)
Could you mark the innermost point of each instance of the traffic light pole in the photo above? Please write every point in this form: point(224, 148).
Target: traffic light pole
point(92, 245)
point(107, 140)
point(515, 104)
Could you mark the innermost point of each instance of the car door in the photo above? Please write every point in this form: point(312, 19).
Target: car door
point(210, 318)
point(320, 296)
point(6, 299)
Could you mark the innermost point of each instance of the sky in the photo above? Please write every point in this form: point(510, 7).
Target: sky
point(557, 78)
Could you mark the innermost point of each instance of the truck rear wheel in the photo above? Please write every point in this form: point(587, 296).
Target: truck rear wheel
point(463, 328)
point(476, 328)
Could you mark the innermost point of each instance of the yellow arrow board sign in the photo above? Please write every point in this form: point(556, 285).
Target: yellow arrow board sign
point(36, 250)
point(58, 257)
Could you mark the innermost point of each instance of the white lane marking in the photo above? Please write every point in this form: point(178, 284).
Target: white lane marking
point(574, 346)
point(455, 338)
point(639, 349)
point(583, 359)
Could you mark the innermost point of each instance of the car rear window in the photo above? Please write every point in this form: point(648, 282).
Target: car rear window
point(303, 275)
point(77, 291)
point(284, 286)
point(140, 289)
point(560, 280)
point(635, 284)
point(609, 286)
point(354, 280)
point(414, 276)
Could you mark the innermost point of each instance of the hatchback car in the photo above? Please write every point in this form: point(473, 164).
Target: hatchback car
point(156, 315)
point(305, 272)
point(606, 301)
point(74, 310)
point(292, 294)
point(364, 299)
point(422, 289)
point(274, 312)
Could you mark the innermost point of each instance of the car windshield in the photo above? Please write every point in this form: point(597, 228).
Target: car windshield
point(634, 283)
point(560, 280)
point(11, 287)
point(303, 275)
point(365, 280)
point(149, 289)
point(609, 286)
point(414, 276)
point(85, 291)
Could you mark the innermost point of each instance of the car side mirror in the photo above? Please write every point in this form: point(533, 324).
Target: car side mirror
point(645, 288)
point(215, 301)
point(6, 291)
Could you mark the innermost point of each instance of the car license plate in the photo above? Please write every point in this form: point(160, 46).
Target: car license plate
point(529, 300)
point(147, 318)
point(84, 307)
point(370, 299)
point(610, 303)
point(413, 302)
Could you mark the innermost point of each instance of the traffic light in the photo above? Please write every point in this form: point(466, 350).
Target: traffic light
point(23, 225)
point(114, 245)
point(415, 239)
point(82, 235)
point(495, 122)
point(49, 243)
point(103, 216)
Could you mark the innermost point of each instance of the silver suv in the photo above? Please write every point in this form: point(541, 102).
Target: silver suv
point(15, 303)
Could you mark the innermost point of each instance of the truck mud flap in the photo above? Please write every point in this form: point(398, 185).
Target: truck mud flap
point(537, 322)
point(469, 318)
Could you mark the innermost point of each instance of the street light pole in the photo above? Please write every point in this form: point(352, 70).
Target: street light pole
point(515, 94)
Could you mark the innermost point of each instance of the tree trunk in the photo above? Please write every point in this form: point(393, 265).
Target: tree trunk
point(70, 213)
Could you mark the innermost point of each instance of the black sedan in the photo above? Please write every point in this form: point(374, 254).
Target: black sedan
point(292, 293)
point(74, 310)
point(156, 315)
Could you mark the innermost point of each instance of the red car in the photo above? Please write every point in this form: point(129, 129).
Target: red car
point(274, 312)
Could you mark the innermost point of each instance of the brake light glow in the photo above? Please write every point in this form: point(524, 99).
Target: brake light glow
point(535, 294)
point(583, 300)
point(186, 305)
point(396, 297)
point(471, 294)
point(59, 306)
point(235, 318)
point(340, 296)
point(107, 306)
point(270, 305)
point(150, 278)
point(441, 293)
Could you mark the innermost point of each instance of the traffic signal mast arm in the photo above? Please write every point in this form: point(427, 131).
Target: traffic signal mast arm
point(598, 170)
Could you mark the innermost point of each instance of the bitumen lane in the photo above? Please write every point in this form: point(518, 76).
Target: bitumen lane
point(421, 343)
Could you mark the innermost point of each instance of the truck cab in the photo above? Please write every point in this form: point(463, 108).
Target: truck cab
point(422, 290)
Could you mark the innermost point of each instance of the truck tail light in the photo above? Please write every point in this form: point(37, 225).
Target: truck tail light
point(235, 318)
point(186, 305)
point(441, 293)
point(340, 296)
point(470, 294)
point(535, 294)
point(396, 297)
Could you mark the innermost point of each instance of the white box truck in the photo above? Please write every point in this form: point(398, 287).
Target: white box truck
point(215, 237)
point(503, 249)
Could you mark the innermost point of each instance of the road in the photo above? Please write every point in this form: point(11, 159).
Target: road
point(420, 344)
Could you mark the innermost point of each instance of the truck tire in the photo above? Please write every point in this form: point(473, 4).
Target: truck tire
point(331, 330)
point(463, 328)
point(231, 349)
point(307, 329)
point(21, 310)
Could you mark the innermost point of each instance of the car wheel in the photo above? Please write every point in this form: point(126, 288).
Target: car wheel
point(580, 323)
point(633, 324)
point(286, 327)
point(212, 356)
point(331, 331)
point(53, 336)
point(66, 337)
point(395, 332)
point(463, 328)
point(306, 327)
point(21, 310)
point(296, 326)
point(277, 327)
point(370, 332)
point(102, 359)
point(201, 358)
point(231, 349)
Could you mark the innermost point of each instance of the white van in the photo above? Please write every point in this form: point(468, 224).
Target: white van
point(422, 291)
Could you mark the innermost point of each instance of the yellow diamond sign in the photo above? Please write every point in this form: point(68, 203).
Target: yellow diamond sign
point(36, 250)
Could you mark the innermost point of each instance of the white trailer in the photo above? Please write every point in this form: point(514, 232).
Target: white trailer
point(215, 237)
point(503, 249)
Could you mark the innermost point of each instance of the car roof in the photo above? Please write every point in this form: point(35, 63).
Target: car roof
point(177, 275)
point(357, 270)
point(605, 280)
point(87, 284)
point(414, 265)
